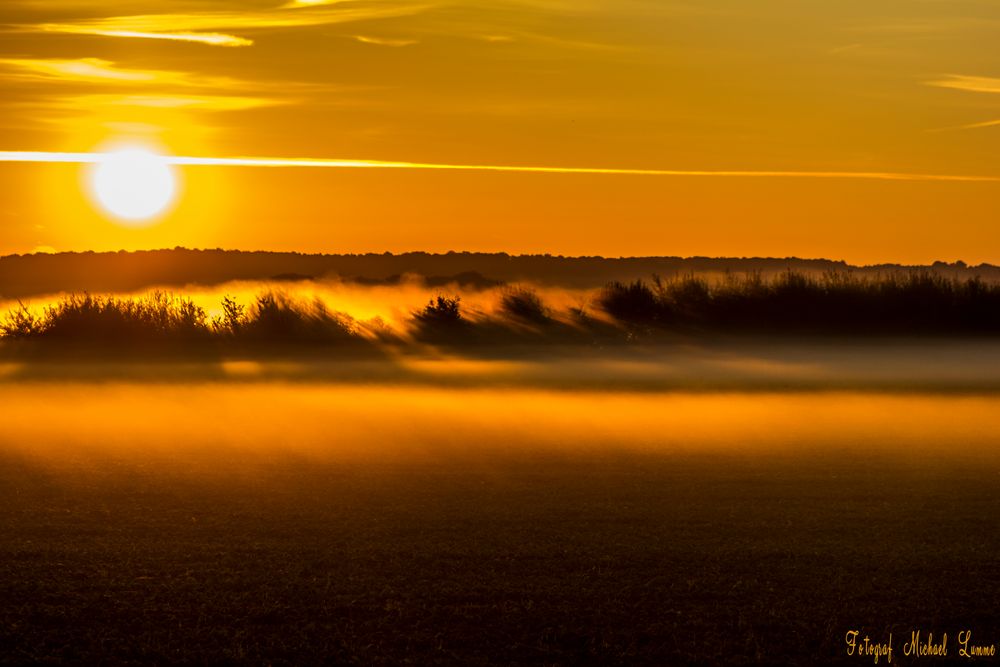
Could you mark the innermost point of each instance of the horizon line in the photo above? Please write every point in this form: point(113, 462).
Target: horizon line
point(336, 163)
point(549, 255)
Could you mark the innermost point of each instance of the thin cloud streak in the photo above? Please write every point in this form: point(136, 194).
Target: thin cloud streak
point(91, 70)
point(91, 158)
point(209, 38)
point(976, 126)
point(383, 41)
point(206, 27)
point(174, 89)
point(974, 84)
point(168, 101)
point(299, 4)
point(967, 126)
point(109, 73)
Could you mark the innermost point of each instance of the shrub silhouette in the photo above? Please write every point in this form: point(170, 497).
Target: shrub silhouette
point(524, 304)
point(84, 317)
point(834, 303)
point(441, 311)
point(275, 317)
point(686, 298)
point(632, 303)
point(917, 303)
point(160, 317)
point(441, 320)
point(21, 323)
point(233, 317)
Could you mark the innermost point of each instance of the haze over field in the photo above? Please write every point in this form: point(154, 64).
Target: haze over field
point(289, 523)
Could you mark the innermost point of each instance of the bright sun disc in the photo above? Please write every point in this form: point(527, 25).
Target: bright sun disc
point(134, 184)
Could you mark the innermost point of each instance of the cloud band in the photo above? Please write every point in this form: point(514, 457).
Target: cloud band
point(315, 163)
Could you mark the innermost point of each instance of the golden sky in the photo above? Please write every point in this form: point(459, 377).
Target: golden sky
point(804, 105)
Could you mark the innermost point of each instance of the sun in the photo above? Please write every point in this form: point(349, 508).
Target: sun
point(134, 185)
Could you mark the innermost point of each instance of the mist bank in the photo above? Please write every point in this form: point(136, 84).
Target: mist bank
point(390, 423)
point(23, 276)
point(900, 367)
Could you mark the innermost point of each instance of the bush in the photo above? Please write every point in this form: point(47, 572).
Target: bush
point(834, 303)
point(233, 317)
point(631, 303)
point(523, 304)
point(276, 317)
point(21, 323)
point(441, 312)
point(163, 318)
point(109, 319)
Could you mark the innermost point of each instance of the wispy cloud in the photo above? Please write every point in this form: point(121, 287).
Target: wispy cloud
point(937, 25)
point(314, 163)
point(93, 70)
point(168, 101)
point(976, 84)
point(149, 88)
point(106, 72)
point(209, 38)
point(972, 84)
point(976, 126)
point(967, 126)
point(384, 41)
point(220, 28)
point(296, 4)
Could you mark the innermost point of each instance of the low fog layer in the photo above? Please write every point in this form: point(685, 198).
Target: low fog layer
point(888, 366)
point(191, 424)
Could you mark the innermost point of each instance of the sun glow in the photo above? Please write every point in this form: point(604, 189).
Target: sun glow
point(134, 185)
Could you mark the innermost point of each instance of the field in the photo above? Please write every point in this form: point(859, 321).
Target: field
point(280, 521)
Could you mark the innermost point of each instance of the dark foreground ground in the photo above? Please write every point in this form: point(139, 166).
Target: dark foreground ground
point(521, 557)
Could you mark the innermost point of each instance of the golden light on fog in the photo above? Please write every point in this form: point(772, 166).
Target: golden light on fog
point(133, 185)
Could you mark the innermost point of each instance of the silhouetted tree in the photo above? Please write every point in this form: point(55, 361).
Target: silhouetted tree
point(441, 311)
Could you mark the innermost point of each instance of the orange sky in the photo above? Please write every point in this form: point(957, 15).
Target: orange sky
point(902, 86)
